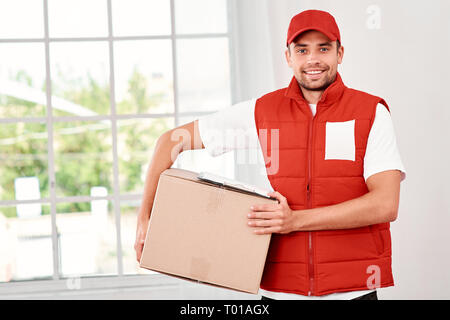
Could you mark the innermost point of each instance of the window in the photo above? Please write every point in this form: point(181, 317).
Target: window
point(81, 108)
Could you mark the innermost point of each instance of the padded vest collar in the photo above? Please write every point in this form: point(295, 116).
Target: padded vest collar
point(330, 95)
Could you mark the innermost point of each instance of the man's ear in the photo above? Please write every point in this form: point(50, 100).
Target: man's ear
point(340, 54)
point(288, 57)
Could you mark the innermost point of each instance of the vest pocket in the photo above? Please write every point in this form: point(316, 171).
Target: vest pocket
point(340, 140)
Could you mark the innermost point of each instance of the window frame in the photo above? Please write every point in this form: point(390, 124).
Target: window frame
point(57, 282)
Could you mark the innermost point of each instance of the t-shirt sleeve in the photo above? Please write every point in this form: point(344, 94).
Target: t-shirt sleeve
point(229, 129)
point(381, 152)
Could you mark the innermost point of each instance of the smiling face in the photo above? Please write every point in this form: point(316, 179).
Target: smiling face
point(314, 60)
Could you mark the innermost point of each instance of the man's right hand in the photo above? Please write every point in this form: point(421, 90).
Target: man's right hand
point(141, 232)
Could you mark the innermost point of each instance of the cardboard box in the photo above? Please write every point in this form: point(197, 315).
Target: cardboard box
point(199, 231)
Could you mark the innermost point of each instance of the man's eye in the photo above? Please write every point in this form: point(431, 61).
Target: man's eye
point(301, 51)
point(324, 49)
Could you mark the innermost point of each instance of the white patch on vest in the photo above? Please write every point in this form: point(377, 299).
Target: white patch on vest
point(340, 140)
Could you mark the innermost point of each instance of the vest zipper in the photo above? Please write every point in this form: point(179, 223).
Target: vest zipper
point(309, 206)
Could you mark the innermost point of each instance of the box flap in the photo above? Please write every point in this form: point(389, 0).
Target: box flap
point(217, 181)
point(181, 173)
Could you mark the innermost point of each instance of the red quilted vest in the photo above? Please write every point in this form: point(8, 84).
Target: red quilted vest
point(310, 175)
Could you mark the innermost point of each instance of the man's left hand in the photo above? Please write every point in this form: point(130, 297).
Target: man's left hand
point(272, 218)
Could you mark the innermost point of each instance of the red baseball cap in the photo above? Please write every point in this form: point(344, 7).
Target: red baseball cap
point(313, 20)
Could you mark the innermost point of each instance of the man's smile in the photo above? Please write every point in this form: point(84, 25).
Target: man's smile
point(314, 73)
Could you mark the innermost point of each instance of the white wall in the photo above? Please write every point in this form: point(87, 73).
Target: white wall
point(406, 62)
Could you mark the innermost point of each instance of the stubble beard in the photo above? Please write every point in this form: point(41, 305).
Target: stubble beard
point(316, 85)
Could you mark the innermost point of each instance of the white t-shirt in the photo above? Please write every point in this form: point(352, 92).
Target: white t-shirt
point(234, 128)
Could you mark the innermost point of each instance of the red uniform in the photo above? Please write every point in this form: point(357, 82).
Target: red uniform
point(321, 262)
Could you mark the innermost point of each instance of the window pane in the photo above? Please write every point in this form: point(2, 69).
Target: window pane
point(23, 158)
point(201, 16)
point(80, 78)
point(21, 19)
point(25, 242)
point(140, 17)
point(128, 218)
point(87, 236)
point(199, 160)
point(83, 157)
point(203, 74)
point(143, 76)
point(22, 80)
point(77, 18)
point(136, 140)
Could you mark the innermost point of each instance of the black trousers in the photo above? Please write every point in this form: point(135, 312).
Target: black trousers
point(369, 296)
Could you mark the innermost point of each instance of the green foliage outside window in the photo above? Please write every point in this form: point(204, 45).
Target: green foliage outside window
point(23, 146)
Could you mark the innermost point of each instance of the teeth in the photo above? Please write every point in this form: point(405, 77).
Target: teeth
point(313, 72)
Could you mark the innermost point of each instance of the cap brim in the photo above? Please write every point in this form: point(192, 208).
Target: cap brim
point(329, 35)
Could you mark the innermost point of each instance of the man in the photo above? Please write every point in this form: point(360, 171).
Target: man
point(335, 169)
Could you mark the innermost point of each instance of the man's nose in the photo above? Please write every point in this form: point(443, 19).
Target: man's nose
point(313, 58)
